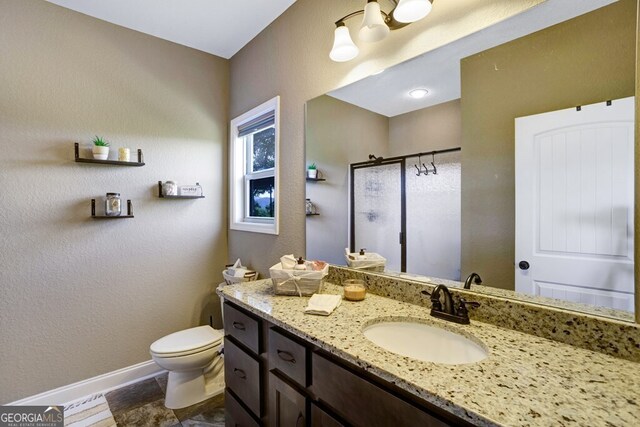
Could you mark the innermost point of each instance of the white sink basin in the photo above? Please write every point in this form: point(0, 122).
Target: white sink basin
point(424, 342)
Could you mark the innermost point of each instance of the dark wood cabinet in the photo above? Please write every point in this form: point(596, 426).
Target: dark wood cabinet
point(277, 379)
point(320, 418)
point(361, 402)
point(235, 415)
point(242, 376)
point(243, 327)
point(288, 356)
point(287, 406)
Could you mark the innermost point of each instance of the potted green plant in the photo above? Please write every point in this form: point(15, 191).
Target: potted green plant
point(100, 148)
point(312, 171)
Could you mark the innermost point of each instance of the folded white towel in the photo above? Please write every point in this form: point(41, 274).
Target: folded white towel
point(323, 305)
point(288, 262)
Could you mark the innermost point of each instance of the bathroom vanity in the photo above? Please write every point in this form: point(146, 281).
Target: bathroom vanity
point(285, 368)
point(274, 375)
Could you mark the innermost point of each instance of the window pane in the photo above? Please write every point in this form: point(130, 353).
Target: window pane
point(264, 152)
point(261, 197)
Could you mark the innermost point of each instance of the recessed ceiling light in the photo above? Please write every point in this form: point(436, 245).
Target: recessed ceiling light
point(418, 93)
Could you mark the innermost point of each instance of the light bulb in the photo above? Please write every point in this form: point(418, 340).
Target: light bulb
point(343, 47)
point(411, 10)
point(373, 28)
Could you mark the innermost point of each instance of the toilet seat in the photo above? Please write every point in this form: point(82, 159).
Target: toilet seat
point(186, 342)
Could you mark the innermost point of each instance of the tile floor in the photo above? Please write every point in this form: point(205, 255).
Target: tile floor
point(142, 404)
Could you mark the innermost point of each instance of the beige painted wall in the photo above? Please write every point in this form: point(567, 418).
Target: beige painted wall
point(337, 134)
point(582, 61)
point(81, 297)
point(291, 55)
point(433, 128)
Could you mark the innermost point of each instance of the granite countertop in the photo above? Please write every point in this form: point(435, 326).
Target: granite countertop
point(525, 381)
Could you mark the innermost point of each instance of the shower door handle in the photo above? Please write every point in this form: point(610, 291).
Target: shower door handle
point(401, 237)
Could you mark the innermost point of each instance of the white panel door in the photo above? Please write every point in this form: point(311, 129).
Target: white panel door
point(574, 204)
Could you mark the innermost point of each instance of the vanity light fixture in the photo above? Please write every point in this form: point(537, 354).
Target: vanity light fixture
point(376, 24)
point(418, 93)
point(344, 49)
point(373, 28)
point(412, 10)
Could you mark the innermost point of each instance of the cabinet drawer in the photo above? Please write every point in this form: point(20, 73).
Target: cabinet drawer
point(242, 327)
point(361, 402)
point(235, 415)
point(288, 357)
point(242, 376)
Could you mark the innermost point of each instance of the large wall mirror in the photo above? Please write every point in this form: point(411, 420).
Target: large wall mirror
point(517, 164)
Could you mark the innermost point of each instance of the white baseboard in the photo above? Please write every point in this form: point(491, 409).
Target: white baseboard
point(100, 384)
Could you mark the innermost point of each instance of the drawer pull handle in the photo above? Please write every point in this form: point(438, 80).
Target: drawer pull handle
point(300, 418)
point(239, 326)
point(286, 356)
point(240, 373)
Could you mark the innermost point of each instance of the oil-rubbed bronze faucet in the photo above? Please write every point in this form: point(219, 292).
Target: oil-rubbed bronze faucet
point(473, 277)
point(446, 309)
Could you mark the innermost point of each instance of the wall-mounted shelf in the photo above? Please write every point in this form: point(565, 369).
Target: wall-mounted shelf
point(315, 179)
point(79, 159)
point(162, 196)
point(128, 215)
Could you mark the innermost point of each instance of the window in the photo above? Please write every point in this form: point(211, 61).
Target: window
point(253, 185)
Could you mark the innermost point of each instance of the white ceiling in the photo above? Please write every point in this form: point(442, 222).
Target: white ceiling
point(219, 27)
point(439, 71)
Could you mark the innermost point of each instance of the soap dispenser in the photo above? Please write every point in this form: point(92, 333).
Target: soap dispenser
point(300, 265)
point(362, 255)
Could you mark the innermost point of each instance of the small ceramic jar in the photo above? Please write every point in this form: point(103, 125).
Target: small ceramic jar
point(170, 188)
point(112, 204)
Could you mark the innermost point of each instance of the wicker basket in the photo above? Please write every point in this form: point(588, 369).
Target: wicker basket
point(374, 262)
point(248, 277)
point(297, 282)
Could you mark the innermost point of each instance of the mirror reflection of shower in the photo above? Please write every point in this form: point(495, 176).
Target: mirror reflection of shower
point(408, 211)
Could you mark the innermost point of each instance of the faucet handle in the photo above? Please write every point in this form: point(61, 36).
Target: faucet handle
point(435, 303)
point(462, 308)
point(470, 303)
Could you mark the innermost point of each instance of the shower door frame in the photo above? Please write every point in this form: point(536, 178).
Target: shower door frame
point(402, 238)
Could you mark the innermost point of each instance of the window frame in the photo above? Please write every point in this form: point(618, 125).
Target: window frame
point(250, 175)
point(240, 176)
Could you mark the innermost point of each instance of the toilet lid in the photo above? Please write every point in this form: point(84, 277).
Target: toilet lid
point(187, 340)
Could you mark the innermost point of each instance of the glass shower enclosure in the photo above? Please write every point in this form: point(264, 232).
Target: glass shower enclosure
point(408, 214)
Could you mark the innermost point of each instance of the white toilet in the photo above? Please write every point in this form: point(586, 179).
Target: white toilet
point(195, 365)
